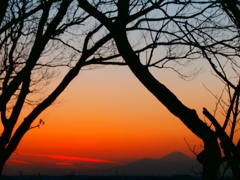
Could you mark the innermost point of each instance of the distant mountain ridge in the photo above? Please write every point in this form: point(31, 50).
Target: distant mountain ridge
point(173, 163)
point(175, 157)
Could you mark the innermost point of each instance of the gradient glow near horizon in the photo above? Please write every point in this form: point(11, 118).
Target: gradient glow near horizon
point(106, 117)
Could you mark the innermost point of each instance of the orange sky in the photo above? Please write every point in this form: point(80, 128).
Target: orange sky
point(108, 117)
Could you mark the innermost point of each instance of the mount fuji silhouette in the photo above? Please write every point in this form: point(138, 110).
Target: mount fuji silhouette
point(171, 164)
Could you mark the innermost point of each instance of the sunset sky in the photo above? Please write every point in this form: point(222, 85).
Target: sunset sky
point(107, 118)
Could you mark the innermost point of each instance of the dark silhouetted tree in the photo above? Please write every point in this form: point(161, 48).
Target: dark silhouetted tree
point(189, 30)
point(38, 39)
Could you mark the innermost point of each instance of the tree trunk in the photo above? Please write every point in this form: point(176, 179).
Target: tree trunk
point(210, 160)
point(210, 171)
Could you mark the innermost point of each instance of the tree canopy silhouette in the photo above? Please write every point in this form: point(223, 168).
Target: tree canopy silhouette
point(190, 30)
point(38, 39)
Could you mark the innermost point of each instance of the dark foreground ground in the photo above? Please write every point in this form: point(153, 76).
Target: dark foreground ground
point(174, 177)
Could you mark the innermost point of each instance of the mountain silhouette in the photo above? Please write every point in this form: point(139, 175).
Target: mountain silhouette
point(171, 164)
